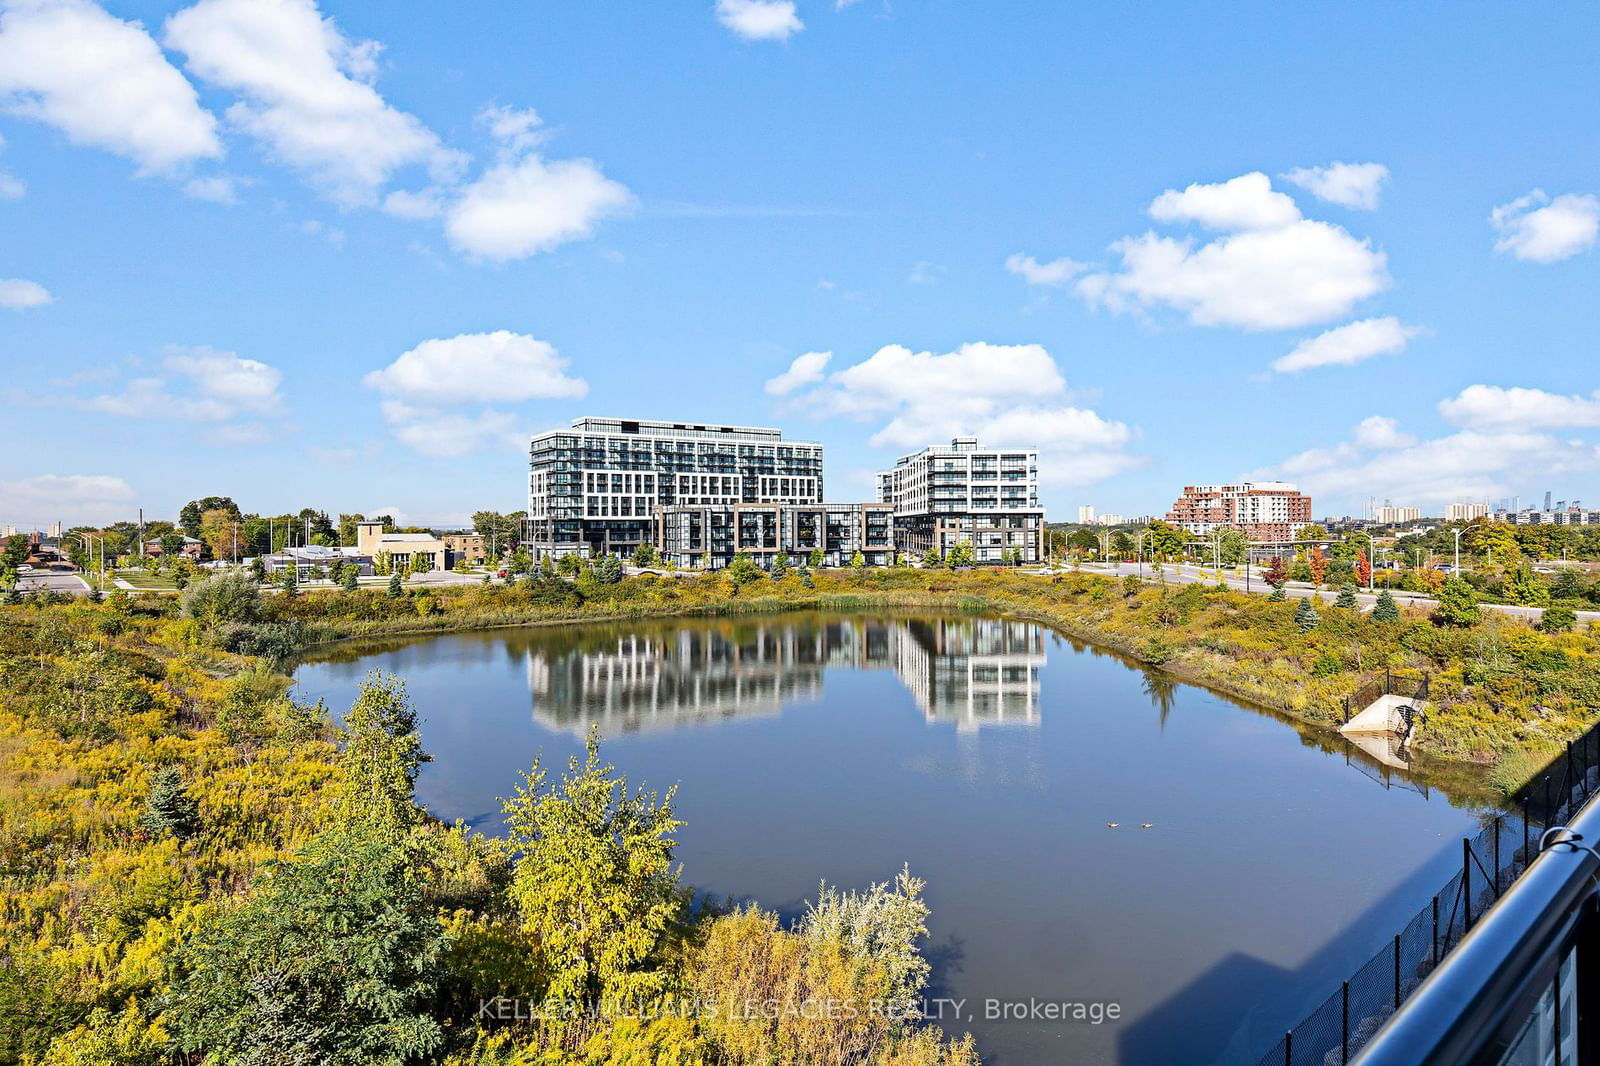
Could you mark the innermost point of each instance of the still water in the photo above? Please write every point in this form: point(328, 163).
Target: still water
point(990, 755)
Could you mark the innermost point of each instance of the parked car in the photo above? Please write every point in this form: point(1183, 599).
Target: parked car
point(24, 569)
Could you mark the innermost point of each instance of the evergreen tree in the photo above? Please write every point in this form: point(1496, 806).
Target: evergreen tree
point(1386, 609)
point(1557, 619)
point(858, 562)
point(258, 570)
point(608, 571)
point(1347, 596)
point(1568, 585)
point(349, 578)
point(780, 565)
point(396, 585)
point(168, 807)
point(288, 579)
point(817, 559)
point(1305, 616)
point(1277, 595)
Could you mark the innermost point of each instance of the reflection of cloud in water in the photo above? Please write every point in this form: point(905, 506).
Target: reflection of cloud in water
point(967, 672)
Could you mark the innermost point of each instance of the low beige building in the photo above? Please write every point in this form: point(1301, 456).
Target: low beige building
point(401, 548)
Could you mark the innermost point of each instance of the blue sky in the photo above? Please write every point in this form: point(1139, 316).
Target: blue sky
point(349, 255)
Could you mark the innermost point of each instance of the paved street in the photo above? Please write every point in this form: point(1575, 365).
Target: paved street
point(1188, 574)
point(54, 580)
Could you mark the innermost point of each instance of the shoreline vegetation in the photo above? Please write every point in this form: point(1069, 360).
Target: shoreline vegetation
point(196, 866)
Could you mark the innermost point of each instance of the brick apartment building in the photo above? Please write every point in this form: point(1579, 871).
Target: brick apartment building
point(1265, 511)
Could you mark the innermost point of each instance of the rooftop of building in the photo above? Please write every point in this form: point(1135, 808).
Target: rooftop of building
point(642, 427)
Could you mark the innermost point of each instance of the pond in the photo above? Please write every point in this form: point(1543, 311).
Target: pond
point(991, 755)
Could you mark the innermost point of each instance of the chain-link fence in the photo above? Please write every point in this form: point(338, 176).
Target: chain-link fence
point(1490, 861)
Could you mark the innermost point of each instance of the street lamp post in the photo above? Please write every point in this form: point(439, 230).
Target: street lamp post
point(1456, 570)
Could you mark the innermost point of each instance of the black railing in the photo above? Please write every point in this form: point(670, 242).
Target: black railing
point(1412, 688)
point(1490, 862)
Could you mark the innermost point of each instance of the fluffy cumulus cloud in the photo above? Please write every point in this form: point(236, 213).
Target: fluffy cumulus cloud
point(804, 370)
point(1537, 229)
point(305, 91)
point(760, 20)
point(1055, 272)
point(1243, 203)
point(70, 498)
point(1494, 407)
point(1351, 343)
point(425, 386)
point(1380, 431)
point(478, 367)
point(1268, 268)
point(1006, 395)
point(524, 204)
point(101, 81)
point(1354, 185)
point(11, 187)
point(20, 294)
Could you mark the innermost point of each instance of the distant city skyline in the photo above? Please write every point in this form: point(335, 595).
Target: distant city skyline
point(366, 252)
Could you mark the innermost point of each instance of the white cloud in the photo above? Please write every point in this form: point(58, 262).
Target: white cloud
point(451, 433)
point(1354, 185)
point(1056, 272)
point(498, 367)
point(1346, 345)
point(804, 370)
point(305, 91)
point(1469, 464)
point(519, 208)
point(1493, 407)
point(216, 189)
point(68, 498)
point(1007, 395)
point(101, 81)
point(1378, 432)
point(1278, 271)
point(413, 205)
point(1538, 229)
point(205, 385)
point(19, 294)
point(11, 187)
point(760, 20)
point(924, 273)
point(1244, 203)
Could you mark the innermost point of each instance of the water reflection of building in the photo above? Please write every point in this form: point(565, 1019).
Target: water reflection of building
point(970, 672)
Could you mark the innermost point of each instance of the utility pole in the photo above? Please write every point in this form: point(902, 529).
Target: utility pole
point(1456, 570)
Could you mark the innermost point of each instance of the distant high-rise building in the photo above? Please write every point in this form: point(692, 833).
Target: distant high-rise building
point(1263, 510)
point(1390, 515)
point(1465, 512)
point(1086, 514)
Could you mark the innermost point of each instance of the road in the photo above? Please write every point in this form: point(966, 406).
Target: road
point(1188, 575)
point(60, 581)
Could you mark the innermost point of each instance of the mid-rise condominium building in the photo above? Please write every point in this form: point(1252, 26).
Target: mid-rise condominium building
point(604, 486)
point(961, 493)
point(1264, 510)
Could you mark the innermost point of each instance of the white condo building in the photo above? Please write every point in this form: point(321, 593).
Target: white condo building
point(963, 493)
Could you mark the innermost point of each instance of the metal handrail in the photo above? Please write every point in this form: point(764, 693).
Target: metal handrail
point(1465, 1005)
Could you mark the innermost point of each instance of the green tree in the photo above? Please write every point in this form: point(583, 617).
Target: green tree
point(960, 555)
point(1130, 586)
point(569, 564)
point(1165, 541)
point(595, 886)
point(1314, 531)
point(1306, 617)
point(1083, 542)
point(1568, 584)
point(816, 559)
point(189, 517)
point(1122, 545)
point(222, 596)
point(421, 563)
point(1458, 605)
point(1557, 619)
point(1233, 546)
point(644, 555)
point(858, 562)
point(1386, 610)
point(931, 558)
point(381, 757)
point(1277, 595)
point(780, 565)
point(288, 579)
point(396, 586)
point(333, 959)
point(742, 571)
point(1346, 597)
point(258, 570)
point(350, 577)
point(1525, 587)
point(168, 807)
